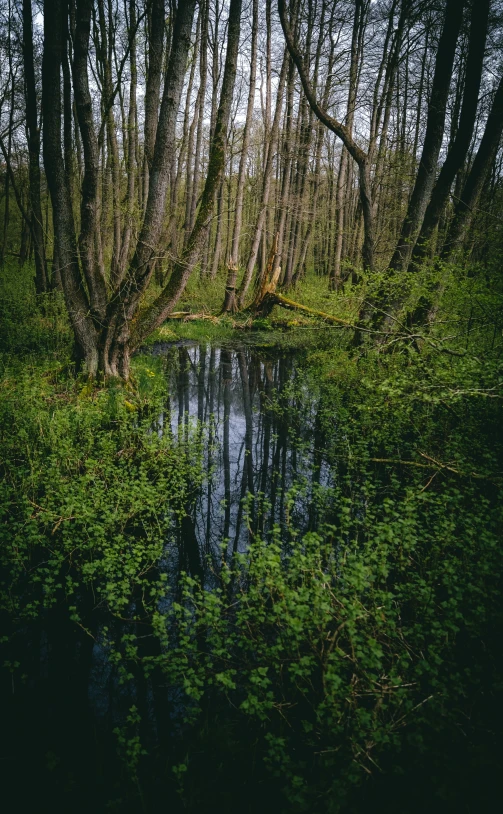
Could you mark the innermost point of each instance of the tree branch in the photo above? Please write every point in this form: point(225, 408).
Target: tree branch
point(335, 126)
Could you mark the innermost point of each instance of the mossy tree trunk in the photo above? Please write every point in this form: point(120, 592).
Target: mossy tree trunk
point(106, 318)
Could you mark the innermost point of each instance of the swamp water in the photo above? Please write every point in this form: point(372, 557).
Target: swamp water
point(315, 632)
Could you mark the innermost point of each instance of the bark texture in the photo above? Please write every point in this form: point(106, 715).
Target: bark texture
point(459, 148)
point(33, 138)
point(183, 268)
point(425, 178)
point(230, 302)
point(64, 235)
point(477, 176)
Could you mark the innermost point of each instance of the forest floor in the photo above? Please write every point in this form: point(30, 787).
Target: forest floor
point(266, 573)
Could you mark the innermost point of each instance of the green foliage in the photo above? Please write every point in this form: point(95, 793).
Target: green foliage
point(335, 647)
point(129, 743)
point(89, 489)
point(329, 655)
point(464, 302)
point(30, 323)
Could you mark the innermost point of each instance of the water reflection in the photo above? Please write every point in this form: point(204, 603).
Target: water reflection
point(256, 447)
point(86, 690)
point(259, 427)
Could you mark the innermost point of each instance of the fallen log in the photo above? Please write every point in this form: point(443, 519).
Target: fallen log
point(271, 299)
point(188, 316)
point(266, 296)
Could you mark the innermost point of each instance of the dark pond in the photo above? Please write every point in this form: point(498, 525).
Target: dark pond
point(243, 404)
point(272, 463)
point(261, 439)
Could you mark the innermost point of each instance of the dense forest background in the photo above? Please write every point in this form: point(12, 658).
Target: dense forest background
point(142, 144)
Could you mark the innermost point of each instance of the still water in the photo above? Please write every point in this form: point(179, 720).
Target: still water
point(261, 439)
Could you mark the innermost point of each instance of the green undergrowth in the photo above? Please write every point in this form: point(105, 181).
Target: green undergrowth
point(30, 324)
point(368, 647)
point(469, 300)
point(89, 488)
point(315, 666)
point(277, 331)
point(198, 330)
point(347, 648)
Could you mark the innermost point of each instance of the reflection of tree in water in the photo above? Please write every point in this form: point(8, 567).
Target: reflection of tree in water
point(245, 407)
point(254, 448)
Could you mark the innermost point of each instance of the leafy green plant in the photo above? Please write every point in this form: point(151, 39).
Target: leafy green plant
point(313, 661)
point(90, 489)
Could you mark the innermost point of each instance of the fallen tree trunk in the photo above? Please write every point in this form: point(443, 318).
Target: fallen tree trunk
point(271, 298)
point(267, 297)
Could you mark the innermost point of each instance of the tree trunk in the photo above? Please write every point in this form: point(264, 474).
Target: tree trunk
point(341, 131)
point(95, 277)
point(313, 192)
point(266, 188)
point(191, 163)
point(175, 179)
point(131, 146)
point(217, 248)
point(477, 176)
point(358, 22)
point(230, 303)
point(434, 134)
point(459, 148)
point(75, 296)
point(283, 205)
point(153, 86)
point(33, 138)
point(113, 147)
point(9, 142)
point(201, 98)
point(161, 307)
point(115, 341)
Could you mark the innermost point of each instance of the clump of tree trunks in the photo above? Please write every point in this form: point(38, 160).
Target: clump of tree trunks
point(149, 141)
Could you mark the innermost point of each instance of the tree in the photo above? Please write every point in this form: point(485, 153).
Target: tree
point(461, 143)
point(425, 177)
point(357, 153)
point(33, 138)
point(474, 184)
point(266, 187)
point(106, 317)
point(333, 146)
point(230, 303)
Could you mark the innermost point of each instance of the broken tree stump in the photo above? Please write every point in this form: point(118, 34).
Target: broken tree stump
point(267, 297)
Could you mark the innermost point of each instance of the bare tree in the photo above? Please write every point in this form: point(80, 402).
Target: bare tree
point(357, 153)
point(266, 188)
point(230, 303)
point(33, 138)
point(425, 178)
point(156, 31)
